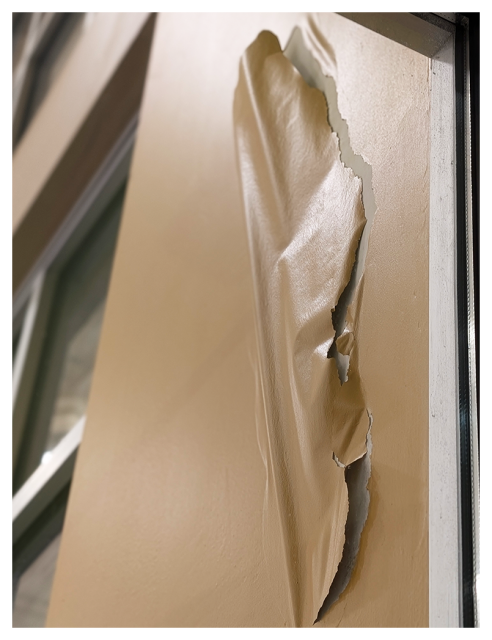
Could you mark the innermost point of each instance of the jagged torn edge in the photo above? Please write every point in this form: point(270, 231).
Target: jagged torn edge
point(357, 476)
point(358, 473)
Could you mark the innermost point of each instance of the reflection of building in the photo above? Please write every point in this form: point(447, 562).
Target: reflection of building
point(74, 125)
point(167, 500)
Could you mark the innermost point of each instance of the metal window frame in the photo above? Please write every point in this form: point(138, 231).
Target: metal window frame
point(39, 505)
point(453, 327)
point(49, 479)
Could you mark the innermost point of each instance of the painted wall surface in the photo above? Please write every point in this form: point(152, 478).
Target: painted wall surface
point(165, 519)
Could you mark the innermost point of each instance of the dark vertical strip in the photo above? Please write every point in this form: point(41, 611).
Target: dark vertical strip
point(38, 536)
point(474, 65)
point(467, 549)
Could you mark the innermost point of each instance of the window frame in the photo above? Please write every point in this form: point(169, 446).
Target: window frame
point(449, 41)
point(65, 213)
point(42, 487)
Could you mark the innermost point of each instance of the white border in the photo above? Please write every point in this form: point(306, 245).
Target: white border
point(444, 497)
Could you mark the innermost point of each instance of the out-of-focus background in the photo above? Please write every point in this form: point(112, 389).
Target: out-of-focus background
point(77, 86)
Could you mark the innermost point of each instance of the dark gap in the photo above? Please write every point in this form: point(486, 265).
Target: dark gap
point(474, 53)
point(339, 315)
point(466, 490)
point(38, 536)
point(356, 477)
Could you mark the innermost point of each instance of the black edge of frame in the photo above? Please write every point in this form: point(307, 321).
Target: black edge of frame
point(467, 70)
point(474, 71)
point(462, 290)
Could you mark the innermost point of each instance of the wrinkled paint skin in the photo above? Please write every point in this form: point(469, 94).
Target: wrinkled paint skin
point(305, 217)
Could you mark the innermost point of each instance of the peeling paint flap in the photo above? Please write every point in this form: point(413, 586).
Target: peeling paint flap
point(304, 209)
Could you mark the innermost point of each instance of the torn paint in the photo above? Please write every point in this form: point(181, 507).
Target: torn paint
point(308, 50)
point(357, 477)
point(303, 49)
point(304, 209)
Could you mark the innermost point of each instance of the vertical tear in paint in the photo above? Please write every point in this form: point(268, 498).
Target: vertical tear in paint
point(301, 52)
point(357, 476)
point(305, 217)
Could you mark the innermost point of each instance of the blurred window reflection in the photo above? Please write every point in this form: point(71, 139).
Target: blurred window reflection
point(20, 27)
point(64, 374)
point(54, 36)
point(34, 588)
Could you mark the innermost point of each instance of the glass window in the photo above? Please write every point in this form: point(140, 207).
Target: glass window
point(17, 330)
point(67, 360)
point(34, 558)
point(34, 588)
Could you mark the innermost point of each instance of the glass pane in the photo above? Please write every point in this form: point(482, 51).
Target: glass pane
point(64, 375)
point(34, 589)
point(15, 344)
point(75, 381)
point(17, 330)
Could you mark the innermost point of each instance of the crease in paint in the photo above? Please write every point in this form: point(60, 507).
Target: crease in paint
point(305, 216)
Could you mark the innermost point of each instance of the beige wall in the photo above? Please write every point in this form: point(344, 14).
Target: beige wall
point(164, 523)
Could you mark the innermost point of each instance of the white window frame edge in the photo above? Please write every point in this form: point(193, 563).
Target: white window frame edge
point(46, 482)
point(444, 484)
point(445, 550)
point(35, 291)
